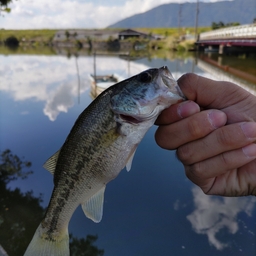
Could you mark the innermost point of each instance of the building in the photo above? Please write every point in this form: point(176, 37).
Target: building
point(129, 33)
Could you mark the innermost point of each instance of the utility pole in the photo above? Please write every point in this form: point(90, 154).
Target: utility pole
point(179, 20)
point(196, 25)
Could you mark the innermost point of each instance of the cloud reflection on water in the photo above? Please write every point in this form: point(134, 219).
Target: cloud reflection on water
point(53, 79)
point(212, 214)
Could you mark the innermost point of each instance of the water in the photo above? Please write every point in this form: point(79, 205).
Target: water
point(152, 210)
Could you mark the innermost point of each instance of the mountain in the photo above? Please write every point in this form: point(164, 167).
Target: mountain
point(167, 15)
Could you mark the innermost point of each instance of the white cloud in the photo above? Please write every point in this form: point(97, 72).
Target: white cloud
point(213, 214)
point(72, 14)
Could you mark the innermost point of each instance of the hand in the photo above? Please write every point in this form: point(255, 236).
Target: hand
point(214, 134)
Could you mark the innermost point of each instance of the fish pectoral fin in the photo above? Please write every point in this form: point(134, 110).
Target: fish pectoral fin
point(93, 208)
point(130, 158)
point(50, 164)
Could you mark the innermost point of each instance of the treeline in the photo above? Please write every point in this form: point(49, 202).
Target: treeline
point(223, 25)
point(217, 25)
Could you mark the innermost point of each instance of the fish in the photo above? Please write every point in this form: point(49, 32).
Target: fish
point(101, 143)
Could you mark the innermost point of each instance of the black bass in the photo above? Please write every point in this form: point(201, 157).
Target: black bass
point(101, 143)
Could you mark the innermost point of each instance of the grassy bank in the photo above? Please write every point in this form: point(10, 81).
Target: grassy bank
point(178, 39)
point(48, 34)
point(40, 35)
point(173, 32)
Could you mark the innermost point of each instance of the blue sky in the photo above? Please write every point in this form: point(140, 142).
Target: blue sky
point(33, 14)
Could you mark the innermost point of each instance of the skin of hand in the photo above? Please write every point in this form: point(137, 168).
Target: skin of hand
point(214, 132)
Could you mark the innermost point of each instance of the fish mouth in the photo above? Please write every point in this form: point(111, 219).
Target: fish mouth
point(170, 82)
point(130, 119)
point(137, 119)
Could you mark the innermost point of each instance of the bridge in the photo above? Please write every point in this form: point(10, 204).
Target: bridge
point(237, 37)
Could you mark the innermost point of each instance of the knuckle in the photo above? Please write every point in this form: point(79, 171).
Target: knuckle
point(195, 172)
point(188, 78)
point(225, 160)
point(184, 154)
point(224, 138)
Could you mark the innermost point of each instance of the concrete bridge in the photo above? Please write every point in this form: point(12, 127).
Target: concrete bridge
point(237, 38)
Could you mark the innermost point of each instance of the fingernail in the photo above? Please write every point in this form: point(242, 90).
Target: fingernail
point(187, 108)
point(250, 150)
point(217, 118)
point(249, 129)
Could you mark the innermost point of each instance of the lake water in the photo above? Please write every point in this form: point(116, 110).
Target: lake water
point(152, 210)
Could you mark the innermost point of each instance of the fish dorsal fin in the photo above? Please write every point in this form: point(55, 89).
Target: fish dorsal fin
point(50, 164)
point(93, 208)
point(129, 161)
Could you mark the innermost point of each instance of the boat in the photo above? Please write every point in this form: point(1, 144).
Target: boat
point(99, 83)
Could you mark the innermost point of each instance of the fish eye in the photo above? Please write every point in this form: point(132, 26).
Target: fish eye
point(145, 77)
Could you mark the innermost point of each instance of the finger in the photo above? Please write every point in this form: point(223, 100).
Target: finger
point(209, 93)
point(177, 112)
point(216, 174)
point(224, 139)
point(189, 129)
point(236, 182)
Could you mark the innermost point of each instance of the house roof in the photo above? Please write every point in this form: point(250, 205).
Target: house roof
point(131, 32)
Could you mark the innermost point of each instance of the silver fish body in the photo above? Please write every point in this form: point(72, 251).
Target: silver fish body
point(101, 143)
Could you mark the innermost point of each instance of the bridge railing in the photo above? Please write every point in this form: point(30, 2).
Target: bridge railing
point(243, 31)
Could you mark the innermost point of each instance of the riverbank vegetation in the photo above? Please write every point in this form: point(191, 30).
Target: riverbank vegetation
point(168, 38)
point(40, 36)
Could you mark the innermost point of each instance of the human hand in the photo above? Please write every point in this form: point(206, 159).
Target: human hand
point(214, 134)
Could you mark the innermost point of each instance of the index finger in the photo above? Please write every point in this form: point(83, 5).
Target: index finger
point(177, 112)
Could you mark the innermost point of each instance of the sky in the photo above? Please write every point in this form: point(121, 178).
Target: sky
point(54, 14)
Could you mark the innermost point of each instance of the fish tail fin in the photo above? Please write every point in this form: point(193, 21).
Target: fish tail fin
point(41, 245)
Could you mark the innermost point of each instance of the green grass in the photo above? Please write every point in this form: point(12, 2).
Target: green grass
point(173, 31)
point(43, 35)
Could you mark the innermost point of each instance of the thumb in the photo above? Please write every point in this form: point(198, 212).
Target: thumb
point(208, 93)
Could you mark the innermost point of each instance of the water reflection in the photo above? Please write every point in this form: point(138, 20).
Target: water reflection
point(220, 72)
point(213, 214)
point(55, 80)
point(18, 229)
point(139, 217)
point(14, 226)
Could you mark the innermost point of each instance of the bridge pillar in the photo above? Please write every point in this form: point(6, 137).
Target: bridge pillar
point(220, 61)
point(221, 49)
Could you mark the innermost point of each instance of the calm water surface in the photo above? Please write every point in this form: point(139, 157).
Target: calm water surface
point(152, 210)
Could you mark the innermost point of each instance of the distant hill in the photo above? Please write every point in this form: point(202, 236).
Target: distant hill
point(167, 15)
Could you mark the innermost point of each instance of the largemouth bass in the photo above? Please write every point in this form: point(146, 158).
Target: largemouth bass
point(101, 143)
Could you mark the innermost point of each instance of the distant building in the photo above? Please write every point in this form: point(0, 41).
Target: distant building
point(129, 33)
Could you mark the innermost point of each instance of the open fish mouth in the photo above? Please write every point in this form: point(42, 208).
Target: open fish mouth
point(146, 96)
point(130, 119)
point(136, 119)
point(170, 82)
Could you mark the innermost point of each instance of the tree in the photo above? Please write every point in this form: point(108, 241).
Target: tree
point(67, 34)
point(4, 5)
point(12, 167)
point(84, 247)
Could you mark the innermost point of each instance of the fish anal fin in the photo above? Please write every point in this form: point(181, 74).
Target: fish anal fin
point(130, 159)
point(50, 164)
point(93, 208)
